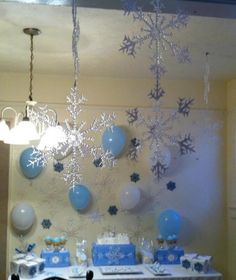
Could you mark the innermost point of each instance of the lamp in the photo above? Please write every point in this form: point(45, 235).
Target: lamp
point(24, 130)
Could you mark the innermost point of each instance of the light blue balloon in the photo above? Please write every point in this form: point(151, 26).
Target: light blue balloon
point(169, 223)
point(113, 140)
point(80, 197)
point(29, 171)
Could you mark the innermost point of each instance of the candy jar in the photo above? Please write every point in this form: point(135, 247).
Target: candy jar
point(81, 255)
point(62, 244)
point(56, 243)
point(146, 249)
point(48, 242)
point(161, 242)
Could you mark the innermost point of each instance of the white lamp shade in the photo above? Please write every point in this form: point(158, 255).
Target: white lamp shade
point(4, 130)
point(16, 137)
point(52, 138)
point(28, 128)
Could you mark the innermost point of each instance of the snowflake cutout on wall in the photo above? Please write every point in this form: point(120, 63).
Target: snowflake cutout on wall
point(46, 223)
point(58, 167)
point(134, 177)
point(112, 210)
point(171, 185)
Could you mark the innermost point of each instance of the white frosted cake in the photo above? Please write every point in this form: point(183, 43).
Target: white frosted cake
point(113, 238)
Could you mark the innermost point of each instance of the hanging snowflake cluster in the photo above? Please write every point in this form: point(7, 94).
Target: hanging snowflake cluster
point(157, 31)
point(76, 135)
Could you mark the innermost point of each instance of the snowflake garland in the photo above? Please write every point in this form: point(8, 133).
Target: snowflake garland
point(157, 31)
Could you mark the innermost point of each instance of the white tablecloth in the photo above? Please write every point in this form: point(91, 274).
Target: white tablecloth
point(176, 271)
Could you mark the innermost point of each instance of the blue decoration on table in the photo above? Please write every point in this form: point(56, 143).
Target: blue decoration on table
point(198, 267)
point(113, 140)
point(168, 255)
point(46, 223)
point(80, 197)
point(29, 170)
point(113, 254)
point(98, 162)
point(56, 258)
point(112, 210)
point(169, 223)
point(41, 267)
point(186, 264)
point(171, 185)
point(134, 177)
point(32, 270)
point(58, 167)
point(28, 249)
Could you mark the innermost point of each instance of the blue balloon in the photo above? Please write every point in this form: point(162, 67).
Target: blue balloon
point(169, 223)
point(113, 140)
point(80, 197)
point(29, 171)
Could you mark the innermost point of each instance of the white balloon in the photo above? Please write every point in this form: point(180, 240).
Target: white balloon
point(130, 197)
point(22, 216)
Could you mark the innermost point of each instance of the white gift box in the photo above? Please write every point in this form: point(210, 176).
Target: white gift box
point(15, 265)
point(196, 263)
point(28, 269)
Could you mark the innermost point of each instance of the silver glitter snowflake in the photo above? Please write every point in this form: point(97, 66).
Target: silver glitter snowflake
point(78, 134)
point(158, 133)
point(157, 31)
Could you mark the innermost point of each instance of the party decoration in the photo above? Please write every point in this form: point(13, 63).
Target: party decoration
point(78, 135)
point(22, 216)
point(98, 162)
point(46, 223)
point(26, 158)
point(134, 148)
point(58, 166)
point(206, 78)
point(113, 140)
point(112, 210)
point(134, 177)
point(80, 197)
point(157, 30)
point(130, 197)
point(171, 185)
point(169, 223)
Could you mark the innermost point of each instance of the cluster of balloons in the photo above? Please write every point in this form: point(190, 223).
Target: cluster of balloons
point(22, 216)
point(80, 197)
point(29, 171)
point(169, 223)
point(113, 140)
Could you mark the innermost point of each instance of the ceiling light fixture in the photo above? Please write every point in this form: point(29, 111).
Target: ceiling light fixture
point(24, 130)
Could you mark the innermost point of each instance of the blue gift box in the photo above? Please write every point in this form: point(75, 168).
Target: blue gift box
point(113, 254)
point(56, 258)
point(168, 256)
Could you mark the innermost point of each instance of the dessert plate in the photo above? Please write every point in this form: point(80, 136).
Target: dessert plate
point(157, 270)
point(109, 270)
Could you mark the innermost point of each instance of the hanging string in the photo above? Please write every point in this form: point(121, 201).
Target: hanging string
point(206, 78)
point(75, 40)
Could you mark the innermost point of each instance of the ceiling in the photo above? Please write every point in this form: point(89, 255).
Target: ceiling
point(102, 30)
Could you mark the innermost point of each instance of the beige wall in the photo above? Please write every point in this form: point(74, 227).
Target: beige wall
point(200, 177)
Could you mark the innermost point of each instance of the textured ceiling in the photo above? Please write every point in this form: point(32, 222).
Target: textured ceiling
point(102, 31)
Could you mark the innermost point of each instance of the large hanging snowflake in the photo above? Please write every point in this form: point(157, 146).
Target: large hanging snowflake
point(157, 30)
point(77, 134)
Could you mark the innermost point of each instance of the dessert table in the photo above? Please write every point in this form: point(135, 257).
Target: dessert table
point(172, 272)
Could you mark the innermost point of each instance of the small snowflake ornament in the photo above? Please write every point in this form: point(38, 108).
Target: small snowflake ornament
point(171, 185)
point(134, 177)
point(112, 210)
point(46, 223)
point(58, 167)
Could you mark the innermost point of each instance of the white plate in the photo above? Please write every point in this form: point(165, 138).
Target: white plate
point(111, 270)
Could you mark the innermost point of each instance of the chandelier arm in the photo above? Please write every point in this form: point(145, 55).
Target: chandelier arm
point(31, 67)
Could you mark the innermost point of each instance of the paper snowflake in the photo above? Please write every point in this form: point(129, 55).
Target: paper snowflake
point(171, 185)
point(46, 223)
point(112, 210)
point(134, 177)
point(58, 166)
